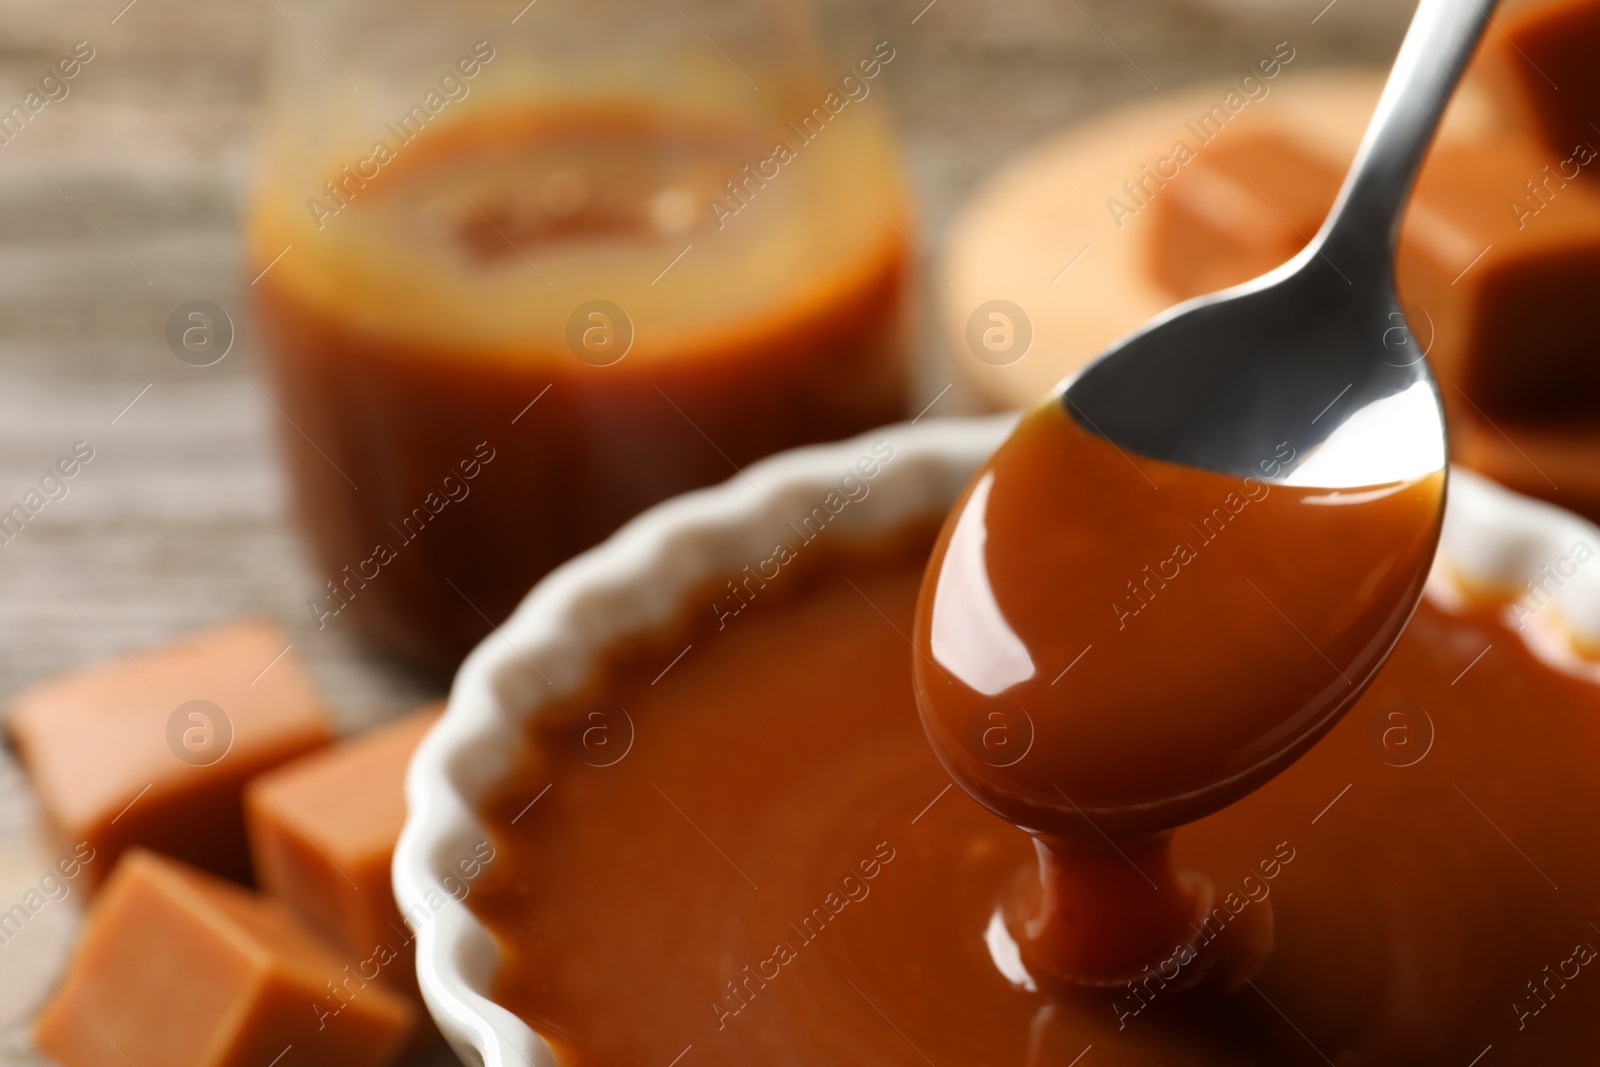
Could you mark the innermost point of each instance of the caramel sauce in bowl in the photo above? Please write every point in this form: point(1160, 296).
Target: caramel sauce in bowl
point(630, 584)
point(636, 582)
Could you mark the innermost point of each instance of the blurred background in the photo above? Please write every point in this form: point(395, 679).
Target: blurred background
point(157, 180)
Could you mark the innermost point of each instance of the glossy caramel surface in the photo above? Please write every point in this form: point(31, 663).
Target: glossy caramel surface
point(778, 871)
point(1113, 644)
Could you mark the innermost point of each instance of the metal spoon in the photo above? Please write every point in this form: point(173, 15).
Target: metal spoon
point(1316, 352)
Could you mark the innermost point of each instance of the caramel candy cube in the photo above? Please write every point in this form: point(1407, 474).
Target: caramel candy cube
point(1241, 207)
point(180, 969)
point(154, 749)
point(1498, 265)
point(323, 829)
point(1543, 56)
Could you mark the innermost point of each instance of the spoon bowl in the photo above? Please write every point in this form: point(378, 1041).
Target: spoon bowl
point(1304, 355)
point(1317, 352)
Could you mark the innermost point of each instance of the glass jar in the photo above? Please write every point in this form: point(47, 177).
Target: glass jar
point(523, 273)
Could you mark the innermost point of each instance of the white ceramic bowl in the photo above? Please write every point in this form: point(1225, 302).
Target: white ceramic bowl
point(635, 582)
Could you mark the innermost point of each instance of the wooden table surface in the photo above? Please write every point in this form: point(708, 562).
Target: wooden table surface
point(123, 200)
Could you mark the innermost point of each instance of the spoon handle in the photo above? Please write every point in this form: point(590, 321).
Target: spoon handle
point(1364, 224)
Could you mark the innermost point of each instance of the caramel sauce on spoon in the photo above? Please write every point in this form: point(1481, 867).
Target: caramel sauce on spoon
point(1112, 646)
